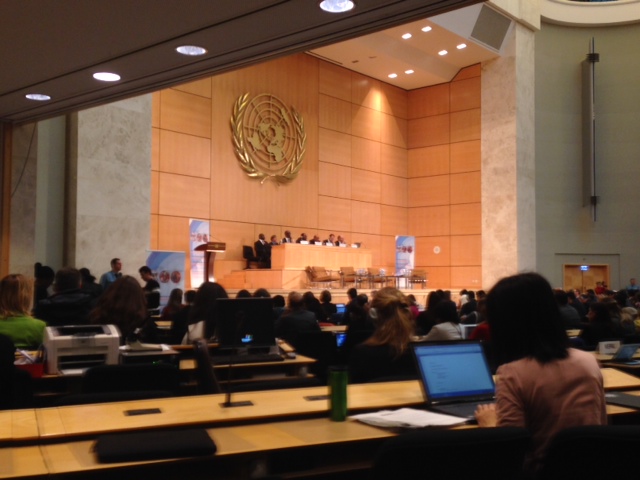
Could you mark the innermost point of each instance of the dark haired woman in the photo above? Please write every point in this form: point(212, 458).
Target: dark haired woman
point(202, 321)
point(542, 385)
point(600, 327)
point(447, 323)
point(174, 305)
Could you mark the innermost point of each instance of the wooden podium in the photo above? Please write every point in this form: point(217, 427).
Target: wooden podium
point(210, 249)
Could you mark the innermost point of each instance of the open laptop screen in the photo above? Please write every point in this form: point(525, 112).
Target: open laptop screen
point(453, 371)
point(245, 322)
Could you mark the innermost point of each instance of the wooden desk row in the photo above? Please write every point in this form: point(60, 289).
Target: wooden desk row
point(66, 434)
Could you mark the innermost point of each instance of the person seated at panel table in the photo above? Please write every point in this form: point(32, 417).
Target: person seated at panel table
point(287, 237)
point(386, 353)
point(273, 241)
point(340, 241)
point(543, 385)
point(302, 238)
point(315, 240)
point(69, 305)
point(295, 320)
point(124, 305)
point(330, 241)
point(16, 322)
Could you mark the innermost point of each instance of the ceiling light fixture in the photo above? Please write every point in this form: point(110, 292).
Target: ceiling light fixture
point(39, 97)
point(426, 29)
point(393, 75)
point(407, 36)
point(461, 46)
point(106, 76)
point(408, 72)
point(442, 52)
point(191, 50)
point(336, 6)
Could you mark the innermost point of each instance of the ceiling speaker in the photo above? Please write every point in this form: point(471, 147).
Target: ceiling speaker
point(490, 28)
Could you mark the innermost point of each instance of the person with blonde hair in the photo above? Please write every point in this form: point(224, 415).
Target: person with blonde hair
point(386, 353)
point(16, 322)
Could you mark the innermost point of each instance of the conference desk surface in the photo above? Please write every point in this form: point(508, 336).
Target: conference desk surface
point(88, 420)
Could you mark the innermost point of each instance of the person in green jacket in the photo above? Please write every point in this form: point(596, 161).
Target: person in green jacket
point(16, 322)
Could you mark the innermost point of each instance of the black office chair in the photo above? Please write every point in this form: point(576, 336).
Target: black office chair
point(206, 377)
point(322, 347)
point(131, 378)
point(249, 256)
point(592, 453)
point(453, 454)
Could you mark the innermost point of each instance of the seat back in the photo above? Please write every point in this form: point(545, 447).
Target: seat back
point(592, 452)
point(247, 253)
point(207, 381)
point(454, 454)
point(135, 377)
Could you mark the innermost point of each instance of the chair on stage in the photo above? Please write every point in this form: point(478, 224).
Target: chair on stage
point(418, 277)
point(454, 454)
point(349, 275)
point(592, 452)
point(249, 256)
point(320, 277)
point(376, 276)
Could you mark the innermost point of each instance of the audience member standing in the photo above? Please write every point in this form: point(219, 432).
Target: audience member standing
point(111, 276)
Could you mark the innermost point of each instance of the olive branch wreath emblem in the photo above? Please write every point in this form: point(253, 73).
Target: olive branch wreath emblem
point(244, 154)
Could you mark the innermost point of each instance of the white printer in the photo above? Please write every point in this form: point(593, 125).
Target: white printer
point(71, 349)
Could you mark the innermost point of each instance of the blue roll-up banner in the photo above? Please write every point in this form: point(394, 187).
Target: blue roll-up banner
point(168, 268)
point(405, 253)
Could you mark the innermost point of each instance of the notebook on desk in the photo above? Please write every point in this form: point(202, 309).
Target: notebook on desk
point(455, 376)
point(625, 354)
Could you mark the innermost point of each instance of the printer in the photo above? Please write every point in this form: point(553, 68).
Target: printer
point(71, 349)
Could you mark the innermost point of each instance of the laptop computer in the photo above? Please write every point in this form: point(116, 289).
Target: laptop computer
point(625, 354)
point(455, 376)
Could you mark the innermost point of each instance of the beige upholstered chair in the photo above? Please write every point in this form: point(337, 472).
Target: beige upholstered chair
point(320, 277)
point(418, 277)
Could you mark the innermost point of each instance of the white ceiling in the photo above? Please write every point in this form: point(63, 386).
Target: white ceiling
point(54, 47)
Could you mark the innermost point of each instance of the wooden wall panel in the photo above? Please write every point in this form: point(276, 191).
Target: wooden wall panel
point(334, 114)
point(373, 243)
point(153, 237)
point(393, 100)
point(465, 156)
point(173, 234)
point(393, 160)
point(428, 131)
point(155, 149)
point(365, 154)
point(466, 277)
point(388, 253)
point(429, 161)
point(365, 122)
point(200, 87)
point(465, 125)
point(335, 214)
point(393, 130)
point(438, 277)
point(155, 109)
point(393, 220)
point(365, 218)
point(465, 188)
point(235, 234)
point(334, 180)
point(185, 154)
point(186, 113)
point(430, 221)
point(334, 147)
point(465, 94)
point(182, 196)
point(428, 101)
point(429, 191)
point(365, 91)
point(466, 250)
point(433, 251)
point(335, 81)
point(365, 186)
point(393, 190)
point(468, 72)
point(466, 219)
point(155, 192)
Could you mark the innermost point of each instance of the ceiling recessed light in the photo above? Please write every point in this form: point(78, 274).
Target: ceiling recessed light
point(408, 72)
point(426, 29)
point(442, 52)
point(106, 76)
point(461, 46)
point(393, 75)
point(336, 6)
point(40, 97)
point(191, 50)
point(407, 36)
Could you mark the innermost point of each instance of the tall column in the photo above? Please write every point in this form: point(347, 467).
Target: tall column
point(109, 186)
point(508, 159)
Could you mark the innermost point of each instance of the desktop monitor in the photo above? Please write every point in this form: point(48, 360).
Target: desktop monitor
point(245, 323)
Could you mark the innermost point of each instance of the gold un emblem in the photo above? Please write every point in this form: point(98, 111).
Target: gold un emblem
point(268, 138)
